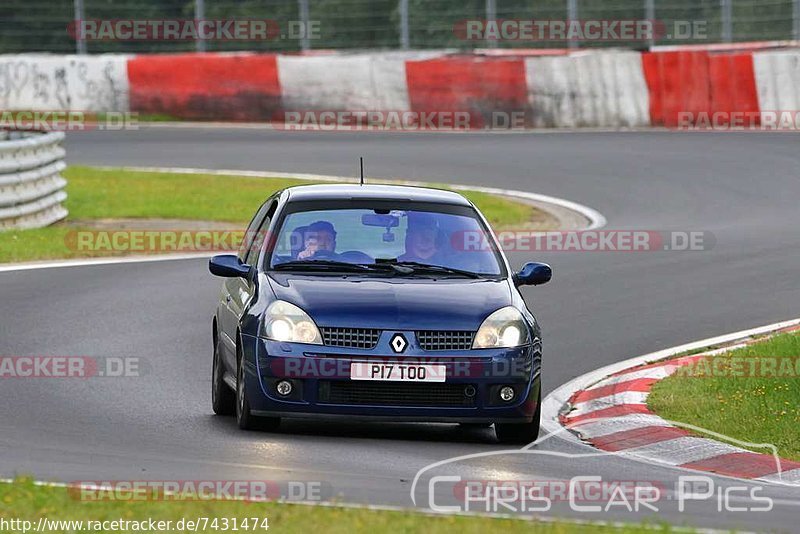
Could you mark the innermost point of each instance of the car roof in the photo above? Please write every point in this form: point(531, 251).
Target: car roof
point(372, 192)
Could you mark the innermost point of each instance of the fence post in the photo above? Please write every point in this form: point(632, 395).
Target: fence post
point(796, 17)
point(727, 21)
point(650, 14)
point(199, 14)
point(405, 41)
point(80, 41)
point(302, 7)
point(491, 14)
point(572, 14)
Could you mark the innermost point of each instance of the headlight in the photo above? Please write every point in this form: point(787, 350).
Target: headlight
point(284, 321)
point(504, 328)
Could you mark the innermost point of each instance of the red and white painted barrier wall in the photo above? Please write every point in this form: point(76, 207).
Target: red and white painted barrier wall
point(611, 88)
point(600, 89)
point(44, 82)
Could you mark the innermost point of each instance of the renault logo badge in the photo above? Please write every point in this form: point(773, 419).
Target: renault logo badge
point(398, 343)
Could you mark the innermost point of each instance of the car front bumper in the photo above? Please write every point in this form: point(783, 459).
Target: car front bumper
point(322, 388)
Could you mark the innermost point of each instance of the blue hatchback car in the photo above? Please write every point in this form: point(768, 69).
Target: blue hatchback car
point(376, 302)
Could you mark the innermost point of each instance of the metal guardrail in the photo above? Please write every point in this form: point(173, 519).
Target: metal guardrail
point(31, 185)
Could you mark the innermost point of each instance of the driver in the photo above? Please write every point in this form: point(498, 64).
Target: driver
point(319, 238)
point(422, 240)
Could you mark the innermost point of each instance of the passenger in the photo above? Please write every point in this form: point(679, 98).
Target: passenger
point(319, 240)
point(422, 240)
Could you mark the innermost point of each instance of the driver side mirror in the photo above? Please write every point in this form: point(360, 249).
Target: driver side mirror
point(228, 266)
point(533, 274)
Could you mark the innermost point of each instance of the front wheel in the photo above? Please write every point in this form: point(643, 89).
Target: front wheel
point(244, 417)
point(520, 432)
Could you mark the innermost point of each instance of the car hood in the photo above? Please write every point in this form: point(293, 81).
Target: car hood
point(393, 303)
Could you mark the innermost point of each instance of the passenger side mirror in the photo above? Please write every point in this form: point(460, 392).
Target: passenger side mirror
point(533, 274)
point(228, 266)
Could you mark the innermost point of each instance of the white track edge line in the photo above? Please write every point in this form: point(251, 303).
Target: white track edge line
point(88, 262)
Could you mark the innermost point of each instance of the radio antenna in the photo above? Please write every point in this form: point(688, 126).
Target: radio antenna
point(361, 162)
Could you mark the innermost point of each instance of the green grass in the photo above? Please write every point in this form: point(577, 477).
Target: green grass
point(100, 193)
point(501, 212)
point(24, 500)
point(117, 194)
point(758, 409)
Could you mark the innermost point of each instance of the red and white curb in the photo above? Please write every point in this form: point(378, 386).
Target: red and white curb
point(607, 409)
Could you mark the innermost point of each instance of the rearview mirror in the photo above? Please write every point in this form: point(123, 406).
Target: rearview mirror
point(533, 274)
point(228, 266)
point(380, 220)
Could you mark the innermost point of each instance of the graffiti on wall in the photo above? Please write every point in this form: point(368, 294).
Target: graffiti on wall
point(40, 82)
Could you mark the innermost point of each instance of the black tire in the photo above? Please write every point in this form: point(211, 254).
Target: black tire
point(522, 433)
point(223, 398)
point(244, 417)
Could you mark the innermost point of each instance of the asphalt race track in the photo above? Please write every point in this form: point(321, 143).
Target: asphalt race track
point(599, 308)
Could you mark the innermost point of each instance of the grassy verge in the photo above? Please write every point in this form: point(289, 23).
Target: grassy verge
point(751, 394)
point(115, 194)
point(26, 501)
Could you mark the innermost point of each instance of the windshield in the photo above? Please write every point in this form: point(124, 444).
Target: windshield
point(423, 241)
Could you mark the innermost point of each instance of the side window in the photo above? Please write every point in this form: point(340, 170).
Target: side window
point(260, 234)
point(252, 229)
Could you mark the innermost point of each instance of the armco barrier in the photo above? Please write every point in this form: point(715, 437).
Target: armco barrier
point(31, 186)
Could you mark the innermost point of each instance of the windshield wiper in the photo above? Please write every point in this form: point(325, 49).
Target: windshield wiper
point(322, 265)
point(426, 268)
point(390, 267)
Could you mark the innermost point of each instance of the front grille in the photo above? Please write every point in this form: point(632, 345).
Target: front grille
point(354, 338)
point(394, 394)
point(445, 339)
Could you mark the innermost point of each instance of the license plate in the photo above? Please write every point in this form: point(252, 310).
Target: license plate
point(397, 372)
